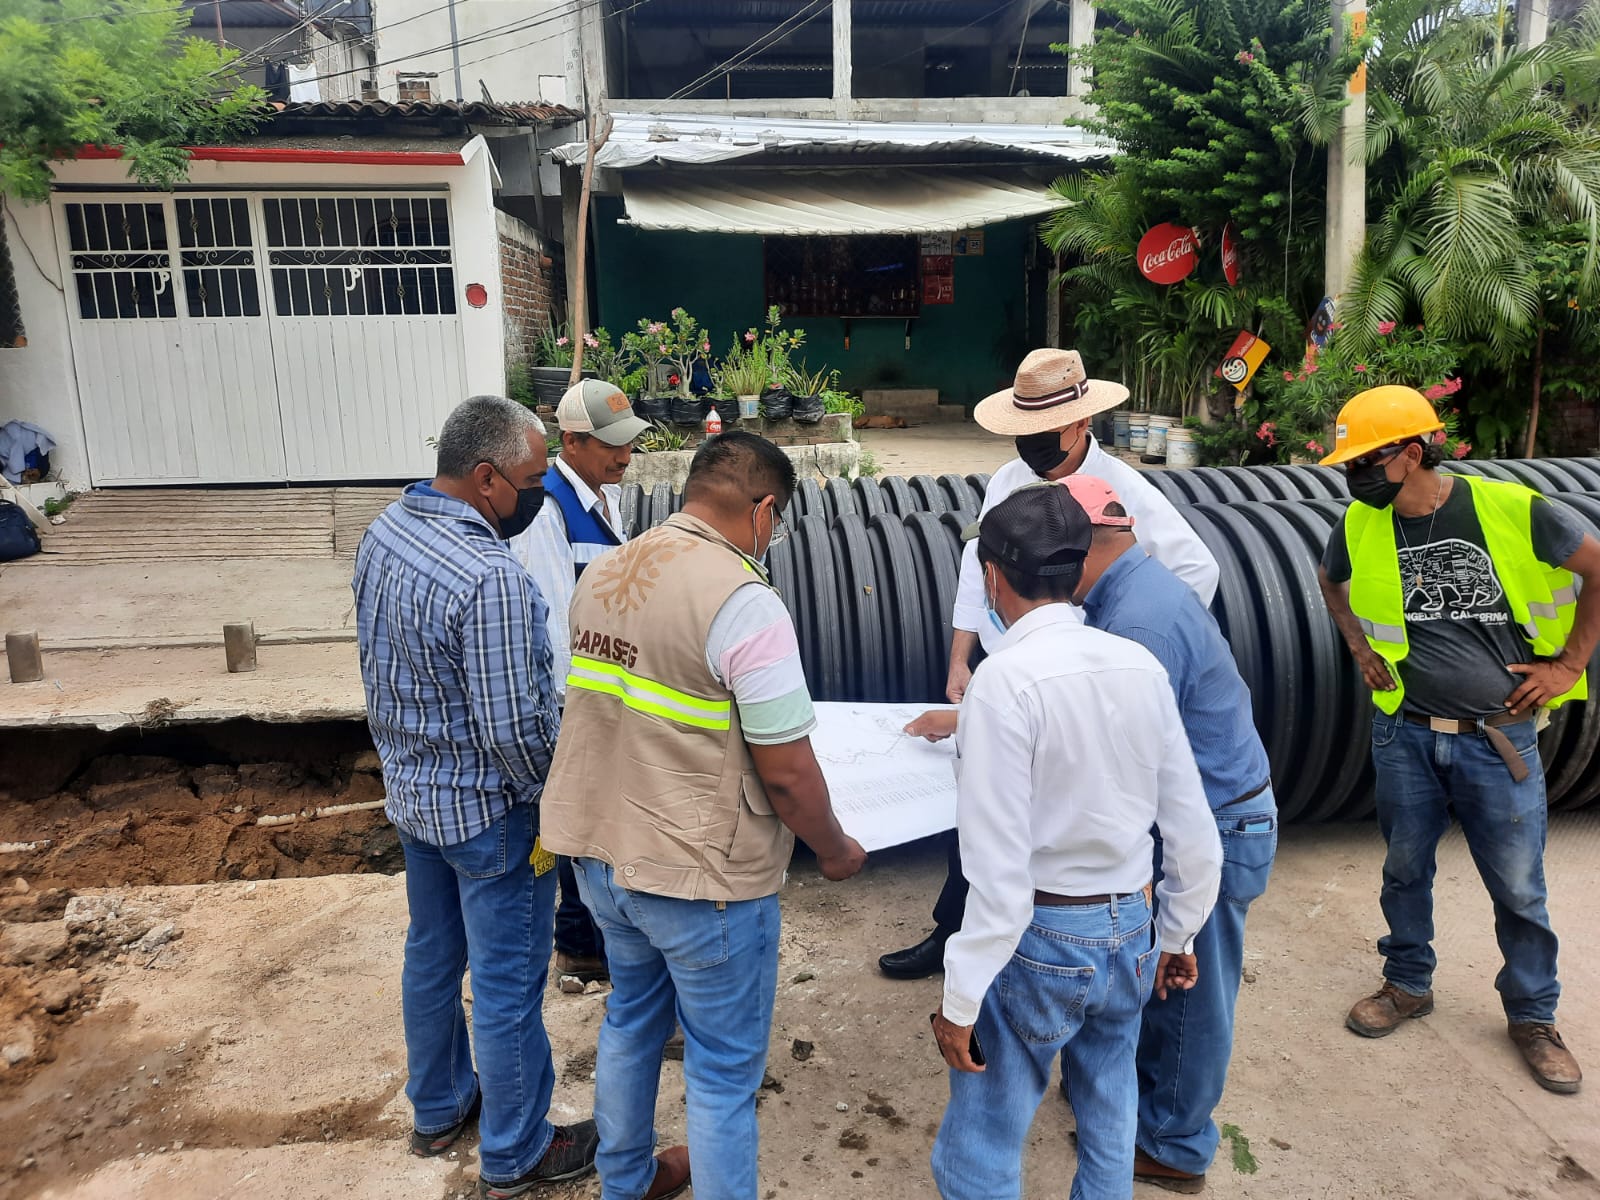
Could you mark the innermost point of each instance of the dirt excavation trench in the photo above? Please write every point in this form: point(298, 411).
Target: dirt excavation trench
point(194, 804)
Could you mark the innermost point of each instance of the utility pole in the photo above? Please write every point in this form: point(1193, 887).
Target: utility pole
point(1533, 23)
point(455, 51)
point(842, 69)
point(216, 10)
point(1347, 161)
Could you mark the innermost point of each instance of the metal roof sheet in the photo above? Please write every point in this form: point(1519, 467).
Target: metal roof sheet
point(643, 139)
point(472, 112)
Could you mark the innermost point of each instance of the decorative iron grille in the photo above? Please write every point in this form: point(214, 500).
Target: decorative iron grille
point(121, 263)
point(217, 253)
point(355, 256)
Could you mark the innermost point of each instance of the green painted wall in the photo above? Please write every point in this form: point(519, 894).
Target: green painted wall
point(966, 349)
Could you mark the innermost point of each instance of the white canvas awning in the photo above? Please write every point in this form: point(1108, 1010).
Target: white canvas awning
point(815, 202)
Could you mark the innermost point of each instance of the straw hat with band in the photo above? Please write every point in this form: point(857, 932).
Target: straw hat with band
point(1051, 391)
point(1379, 417)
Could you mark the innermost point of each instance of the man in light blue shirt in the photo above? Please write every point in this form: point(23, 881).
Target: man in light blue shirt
point(456, 666)
point(1187, 1038)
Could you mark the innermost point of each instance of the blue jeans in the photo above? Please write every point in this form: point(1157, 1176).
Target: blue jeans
point(1187, 1038)
point(1074, 987)
point(576, 932)
point(1422, 775)
point(480, 902)
point(713, 967)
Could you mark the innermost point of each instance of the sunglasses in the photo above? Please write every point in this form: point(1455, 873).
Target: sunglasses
point(1374, 459)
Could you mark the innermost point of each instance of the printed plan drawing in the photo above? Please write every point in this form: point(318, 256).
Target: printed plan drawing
point(888, 787)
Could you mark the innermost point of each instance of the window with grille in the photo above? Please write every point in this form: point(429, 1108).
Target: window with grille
point(121, 266)
point(867, 276)
point(11, 332)
point(218, 257)
point(360, 256)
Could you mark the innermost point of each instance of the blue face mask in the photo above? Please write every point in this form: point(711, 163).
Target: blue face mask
point(994, 616)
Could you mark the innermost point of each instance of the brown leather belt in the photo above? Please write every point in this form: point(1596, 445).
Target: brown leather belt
point(1502, 744)
point(1051, 900)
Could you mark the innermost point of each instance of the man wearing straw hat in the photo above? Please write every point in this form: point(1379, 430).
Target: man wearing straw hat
point(1047, 411)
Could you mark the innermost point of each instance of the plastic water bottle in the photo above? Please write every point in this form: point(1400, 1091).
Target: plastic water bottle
point(713, 422)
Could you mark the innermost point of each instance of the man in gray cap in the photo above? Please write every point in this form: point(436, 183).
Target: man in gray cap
point(598, 428)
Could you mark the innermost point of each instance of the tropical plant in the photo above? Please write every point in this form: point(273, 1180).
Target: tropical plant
point(743, 372)
point(774, 345)
point(103, 73)
point(835, 401)
point(519, 384)
point(1476, 148)
point(661, 437)
point(803, 382)
point(553, 346)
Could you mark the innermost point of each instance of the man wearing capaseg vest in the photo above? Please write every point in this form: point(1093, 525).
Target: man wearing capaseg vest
point(598, 428)
point(683, 772)
point(1458, 597)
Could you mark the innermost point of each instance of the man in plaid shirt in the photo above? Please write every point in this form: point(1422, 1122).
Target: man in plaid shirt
point(456, 665)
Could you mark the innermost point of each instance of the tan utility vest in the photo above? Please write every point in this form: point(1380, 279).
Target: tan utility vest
point(651, 773)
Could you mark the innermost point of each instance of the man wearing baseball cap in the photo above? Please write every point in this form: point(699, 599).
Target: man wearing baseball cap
point(1047, 411)
point(1064, 729)
point(1188, 1037)
point(598, 428)
point(1458, 597)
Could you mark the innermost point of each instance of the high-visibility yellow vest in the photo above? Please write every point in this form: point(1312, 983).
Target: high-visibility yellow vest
point(1543, 599)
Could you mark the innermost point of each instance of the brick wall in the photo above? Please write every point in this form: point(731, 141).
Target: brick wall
point(531, 289)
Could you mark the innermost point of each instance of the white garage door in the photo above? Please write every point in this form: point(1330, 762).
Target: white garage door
point(247, 338)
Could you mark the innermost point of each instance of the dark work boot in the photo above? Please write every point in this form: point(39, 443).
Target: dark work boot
point(1552, 1064)
point(1381, 1013)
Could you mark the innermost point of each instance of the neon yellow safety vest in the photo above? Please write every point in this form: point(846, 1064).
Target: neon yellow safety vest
point(1543, 599)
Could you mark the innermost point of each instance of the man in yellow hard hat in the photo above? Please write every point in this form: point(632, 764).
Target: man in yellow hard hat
point(1457, 596)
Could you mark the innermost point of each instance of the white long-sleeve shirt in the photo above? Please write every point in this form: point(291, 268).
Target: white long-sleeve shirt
point(1069, 748)
point(1157, 526)
point(544, 549)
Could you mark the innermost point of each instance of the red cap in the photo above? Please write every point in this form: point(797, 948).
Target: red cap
point(1093, 495)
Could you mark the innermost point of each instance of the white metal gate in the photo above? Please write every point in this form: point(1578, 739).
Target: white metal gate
point(246, 338)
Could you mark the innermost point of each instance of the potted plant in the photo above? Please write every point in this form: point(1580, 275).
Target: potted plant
point(552, 374)
point(807, 388)
point(744, 374)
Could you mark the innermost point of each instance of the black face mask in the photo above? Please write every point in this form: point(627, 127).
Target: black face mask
point(1042, 452)
point(1370, 486)
point(529, 501)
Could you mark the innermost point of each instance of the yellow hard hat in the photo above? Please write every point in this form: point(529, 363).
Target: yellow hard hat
point(1378, 417)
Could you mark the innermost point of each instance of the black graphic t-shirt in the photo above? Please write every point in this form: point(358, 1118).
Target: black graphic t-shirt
point(1458, 622)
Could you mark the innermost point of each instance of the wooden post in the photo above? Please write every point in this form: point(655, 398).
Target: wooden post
point(580, 300)
point(22, 653)
point(239, 646)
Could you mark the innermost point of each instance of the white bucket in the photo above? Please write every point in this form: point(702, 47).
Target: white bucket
point(749, 407)
point(1158, 436)
point(1181, 450)
point(1119, 429)
point(1138, 432)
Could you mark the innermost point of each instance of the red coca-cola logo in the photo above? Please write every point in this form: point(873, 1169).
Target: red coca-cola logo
point(1167, 253)
point(1230, 254)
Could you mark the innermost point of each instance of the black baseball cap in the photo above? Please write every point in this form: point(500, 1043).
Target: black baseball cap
point(1037, 530)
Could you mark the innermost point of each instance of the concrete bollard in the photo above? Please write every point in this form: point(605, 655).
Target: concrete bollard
point(22, 652)
point(239, 644)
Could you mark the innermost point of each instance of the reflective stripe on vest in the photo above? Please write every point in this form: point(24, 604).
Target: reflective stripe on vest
point(1542, 599)
point(647, 696)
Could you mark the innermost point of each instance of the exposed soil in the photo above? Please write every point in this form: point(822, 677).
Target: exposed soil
point(181, 805)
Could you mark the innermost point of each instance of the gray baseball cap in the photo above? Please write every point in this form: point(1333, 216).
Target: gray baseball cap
point(602, 409)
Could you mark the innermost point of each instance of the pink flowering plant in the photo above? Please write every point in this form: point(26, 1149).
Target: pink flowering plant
point(1299, 409)
point(677, 343)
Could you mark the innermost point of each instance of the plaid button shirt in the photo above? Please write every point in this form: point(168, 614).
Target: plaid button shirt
point(456, 664)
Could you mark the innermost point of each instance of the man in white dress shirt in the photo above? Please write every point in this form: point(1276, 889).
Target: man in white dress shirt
point(582, 520)
point(1069, 750)
point(1047, 411)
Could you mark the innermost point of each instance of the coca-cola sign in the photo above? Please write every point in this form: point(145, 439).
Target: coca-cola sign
point(1230, 254)
point(1167, 253)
